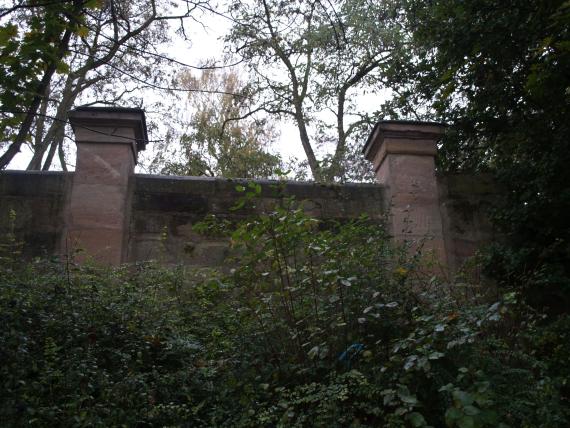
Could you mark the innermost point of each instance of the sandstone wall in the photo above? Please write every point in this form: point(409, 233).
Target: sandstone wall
point(38, 200)
point(116, 216)
point(164, 209)
point(466, 202)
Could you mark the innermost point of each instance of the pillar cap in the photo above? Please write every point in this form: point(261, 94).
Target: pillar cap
point(90, 118)
point(406, 137)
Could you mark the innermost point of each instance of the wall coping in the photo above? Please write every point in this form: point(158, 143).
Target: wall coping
point(402, 137)
point(262, 181)
point(383, 123)
point(34, 172)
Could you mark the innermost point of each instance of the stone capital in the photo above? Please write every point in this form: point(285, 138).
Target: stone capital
point(402, 138)
point(110, 125)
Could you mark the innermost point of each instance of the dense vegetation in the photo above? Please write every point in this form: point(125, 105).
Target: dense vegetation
point(318, 325)
point(498, 72)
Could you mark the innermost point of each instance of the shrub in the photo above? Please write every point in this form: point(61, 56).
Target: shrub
point(318, 324)
point(92, 347)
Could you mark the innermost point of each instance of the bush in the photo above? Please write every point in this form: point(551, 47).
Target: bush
point(92, 347)
point(317, 325)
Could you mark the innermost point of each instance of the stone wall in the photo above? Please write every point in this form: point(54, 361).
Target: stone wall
point(164, 209)
point(38, 200)
point(117, 216)
point(466, 202)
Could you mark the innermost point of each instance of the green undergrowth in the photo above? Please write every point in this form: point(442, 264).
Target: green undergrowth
point(316, 325)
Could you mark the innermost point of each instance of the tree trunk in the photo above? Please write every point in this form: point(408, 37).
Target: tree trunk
point(57, 140)
point(306, 142)
point(61, 154)
point(336, 169)
point(40, 149)
point(68, 97)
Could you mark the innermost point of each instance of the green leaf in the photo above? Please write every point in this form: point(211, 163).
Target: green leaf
point(471, 410)
point(82, 31)
point(451, 415)
point(313, 352)
point(462, 397)
point(389, 395)
point(62, 67)
point(417, 419)
point(466, 422)
point(483, 386)
point(239, 204)
point(7, 33)
point(94, 4)
point(410, 362)
point(256, 187)
point(405, 395)
point(436, 355)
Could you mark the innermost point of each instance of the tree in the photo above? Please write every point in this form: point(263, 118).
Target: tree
point(104, 46)
point(309, 59)
point(499, 73)
point(216, 145)
point(108, 69)
point(29, 62)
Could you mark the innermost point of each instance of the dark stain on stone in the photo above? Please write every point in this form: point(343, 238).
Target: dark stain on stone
point(171, 202)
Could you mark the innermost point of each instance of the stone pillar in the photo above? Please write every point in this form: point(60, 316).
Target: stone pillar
point(97, 220)
point(403, 155)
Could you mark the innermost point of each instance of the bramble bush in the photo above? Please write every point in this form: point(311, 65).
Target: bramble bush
point(317, 324)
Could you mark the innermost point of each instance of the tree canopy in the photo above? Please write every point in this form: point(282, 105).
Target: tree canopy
point(214, 144)
point(54, 53)
point(309, 61)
